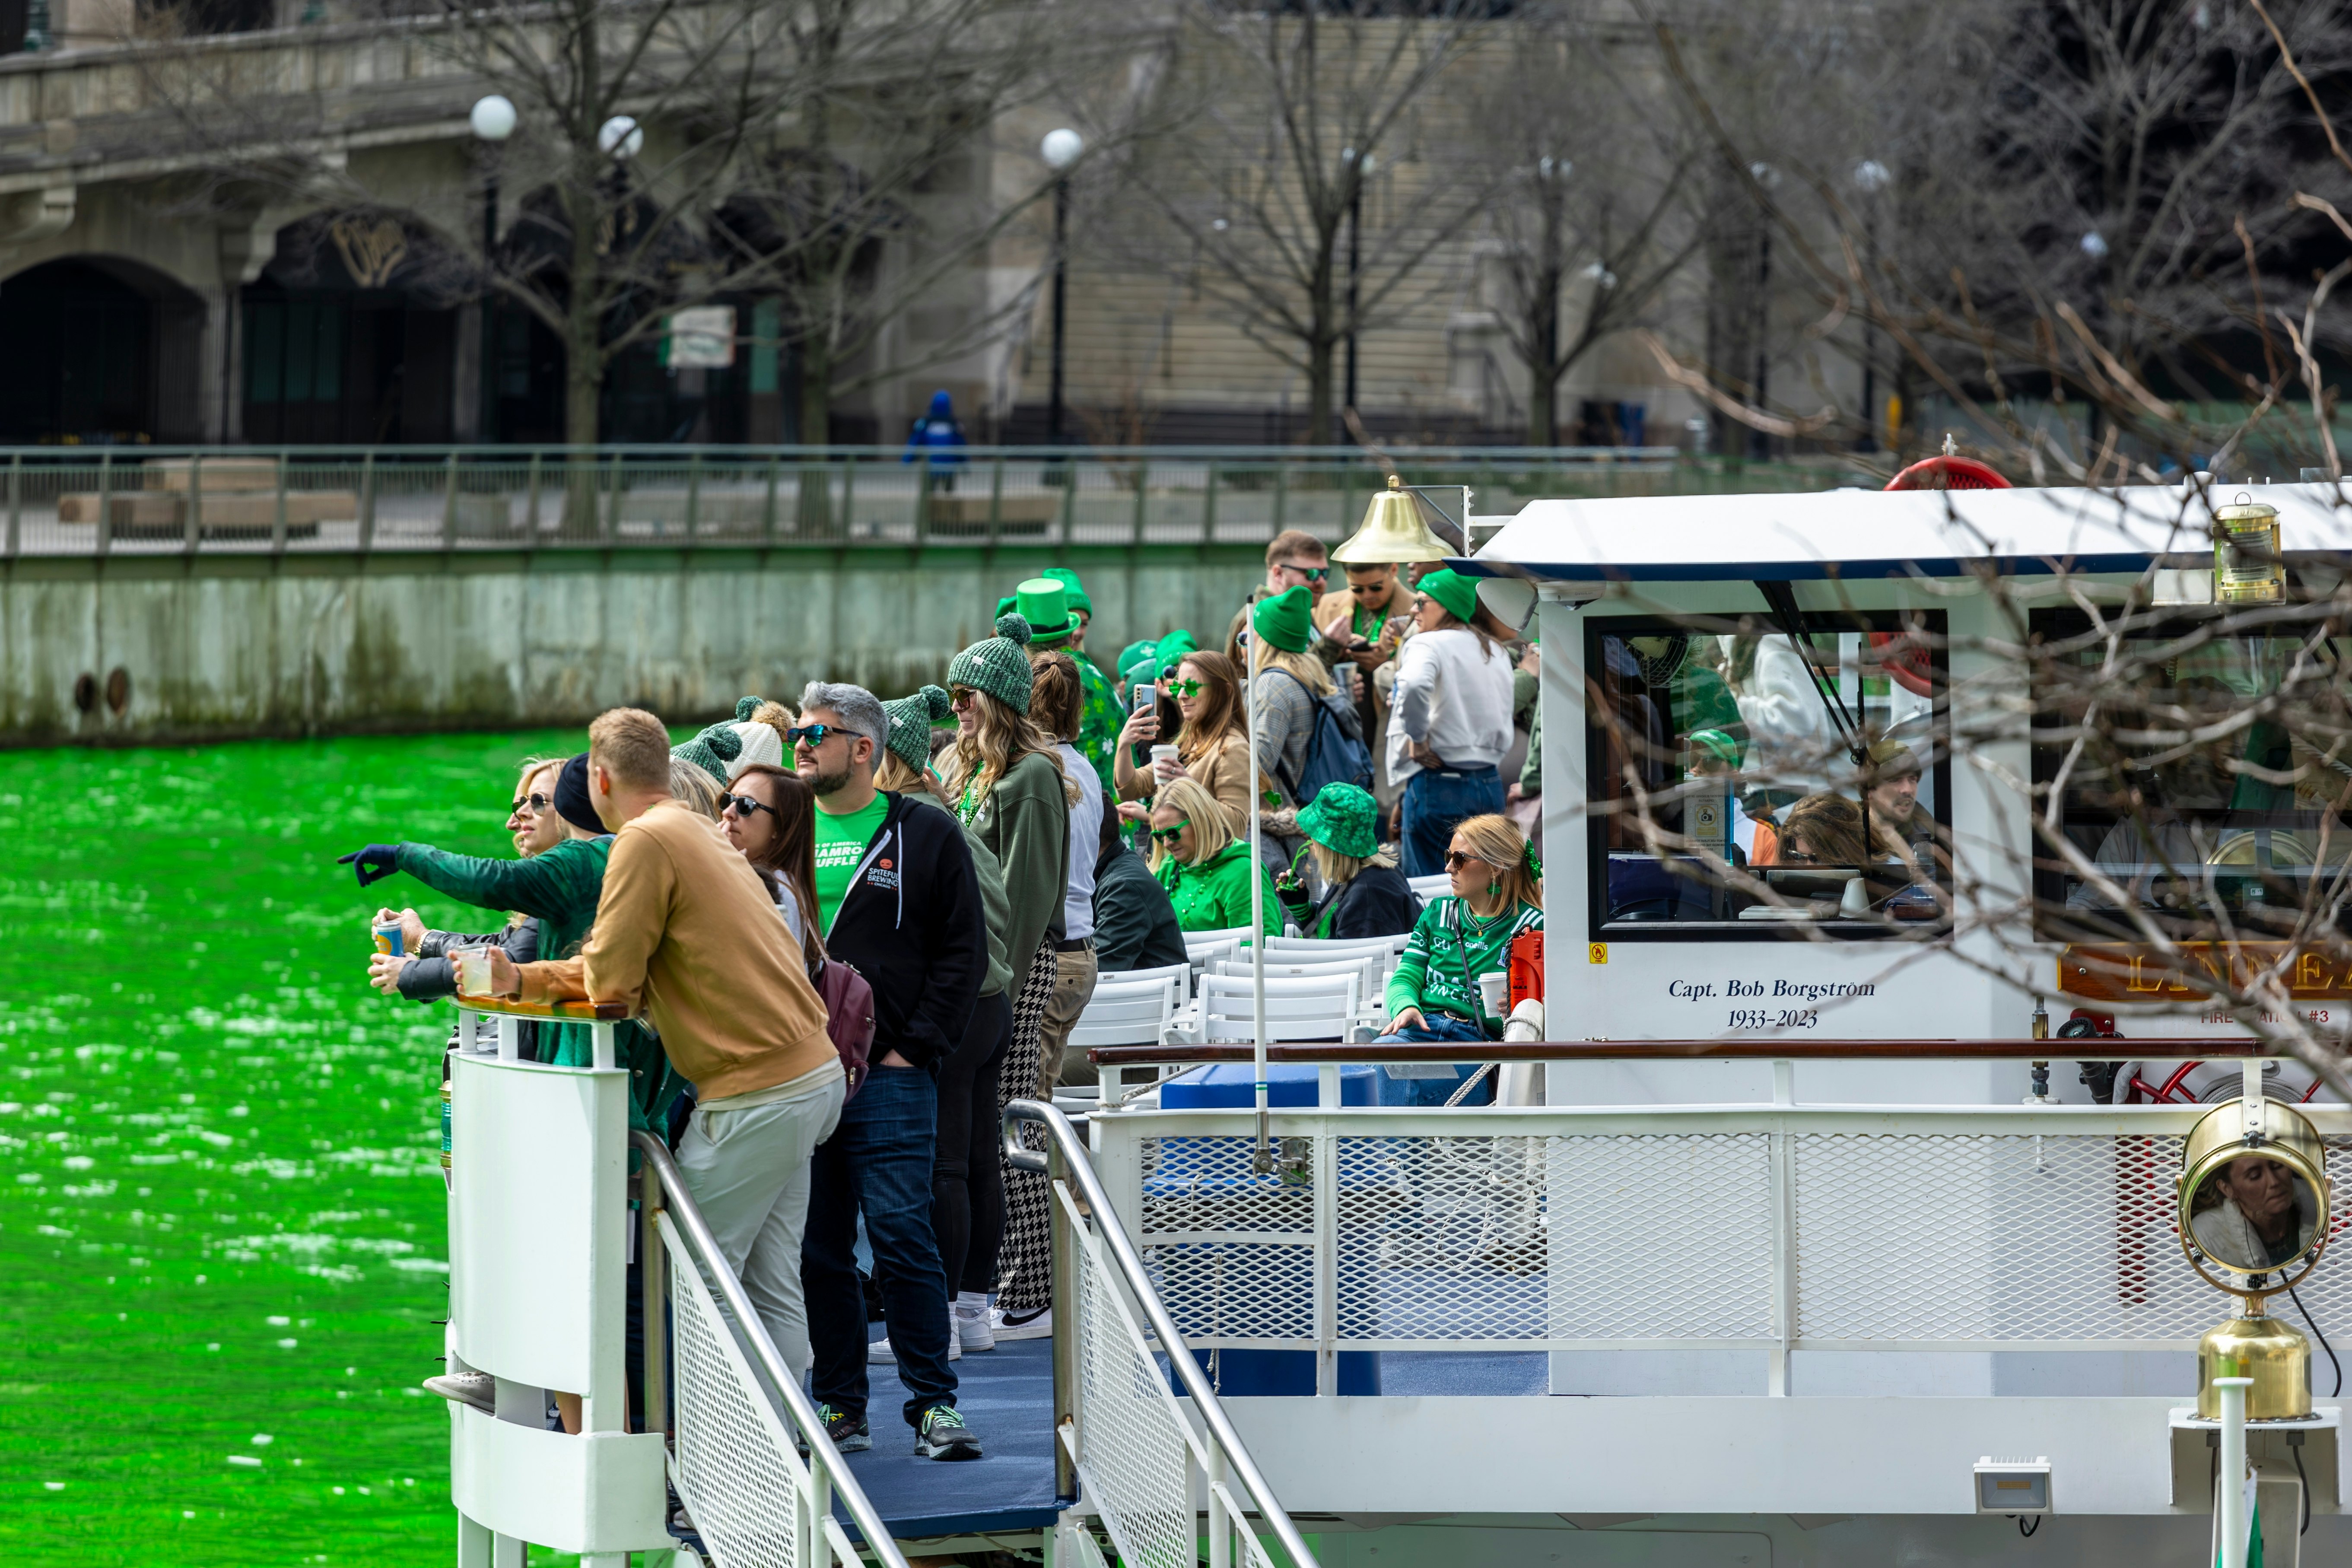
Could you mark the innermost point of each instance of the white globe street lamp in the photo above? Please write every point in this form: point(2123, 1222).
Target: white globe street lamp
point(1061, 148)
point(620, 137)
point(493, 117)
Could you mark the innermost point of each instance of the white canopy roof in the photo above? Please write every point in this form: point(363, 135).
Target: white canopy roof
point(1873, 533)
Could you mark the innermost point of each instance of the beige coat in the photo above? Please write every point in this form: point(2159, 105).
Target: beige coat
point(1224, 771)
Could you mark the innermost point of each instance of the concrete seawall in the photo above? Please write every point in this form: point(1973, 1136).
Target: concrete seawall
point(128, 649)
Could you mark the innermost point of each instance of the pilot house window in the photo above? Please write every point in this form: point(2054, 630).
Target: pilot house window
point(1742, 780)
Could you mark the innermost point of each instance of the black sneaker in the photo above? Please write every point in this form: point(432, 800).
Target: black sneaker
point(849, 1433)
point(943, 1436)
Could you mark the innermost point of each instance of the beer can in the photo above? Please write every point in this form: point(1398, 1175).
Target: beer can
point(388, 939)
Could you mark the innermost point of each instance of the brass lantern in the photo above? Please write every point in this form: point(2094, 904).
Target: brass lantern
point(1392, 530)
point(2252, 1208)
point(2248, 567)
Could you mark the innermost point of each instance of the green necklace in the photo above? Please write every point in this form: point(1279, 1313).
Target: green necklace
point(968, 805)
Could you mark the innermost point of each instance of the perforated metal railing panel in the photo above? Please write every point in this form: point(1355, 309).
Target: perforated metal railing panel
point(1958, 1239)
point(742, 1483)
point(1131, 1452)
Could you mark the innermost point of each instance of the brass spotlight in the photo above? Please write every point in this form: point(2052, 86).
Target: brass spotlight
point(1393, 531)
point(2252, 1207)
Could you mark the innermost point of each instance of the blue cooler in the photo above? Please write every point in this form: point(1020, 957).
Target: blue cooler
point(1429, 1085)
point(1208, 1169)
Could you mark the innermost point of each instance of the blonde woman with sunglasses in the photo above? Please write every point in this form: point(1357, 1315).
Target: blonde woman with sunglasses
point(1211, 746)
point(1498, 893)
point(1205, 870)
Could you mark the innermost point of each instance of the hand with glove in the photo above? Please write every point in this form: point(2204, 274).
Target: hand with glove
point(375, 863)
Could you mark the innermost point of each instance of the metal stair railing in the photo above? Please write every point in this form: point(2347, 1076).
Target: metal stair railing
point(1118, 1429)
point(755, 1500)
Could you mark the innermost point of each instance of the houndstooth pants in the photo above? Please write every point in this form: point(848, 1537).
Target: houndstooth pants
point(1024, 1264)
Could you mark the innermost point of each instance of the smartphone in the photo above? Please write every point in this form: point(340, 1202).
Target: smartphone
point(1147, 698)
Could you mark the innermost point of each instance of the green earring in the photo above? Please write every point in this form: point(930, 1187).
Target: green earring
point(1494, 887)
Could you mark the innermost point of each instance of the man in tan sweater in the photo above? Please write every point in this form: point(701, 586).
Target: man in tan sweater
point(686, 935)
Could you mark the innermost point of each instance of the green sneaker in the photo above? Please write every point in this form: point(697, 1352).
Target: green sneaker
point(943, 1436)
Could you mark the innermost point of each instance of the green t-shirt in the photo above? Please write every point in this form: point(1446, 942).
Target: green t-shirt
point(840, 841)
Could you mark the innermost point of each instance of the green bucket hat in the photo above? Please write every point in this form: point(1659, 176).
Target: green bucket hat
point(1044, 603)
point(1171, 649)
point(713, 749)
point(998, 664)
point(1285, 620)
point(1458, 593)
point(911, 721)
point(1071, 589)
point(1341, 818)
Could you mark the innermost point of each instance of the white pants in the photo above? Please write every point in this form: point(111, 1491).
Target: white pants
point(748, 1172)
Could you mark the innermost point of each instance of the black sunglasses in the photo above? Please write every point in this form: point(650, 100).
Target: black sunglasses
point(808, 735)
point(1455, 860)
point(743, 806)
point(536, 801)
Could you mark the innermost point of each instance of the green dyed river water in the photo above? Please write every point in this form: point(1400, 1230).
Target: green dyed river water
point(222, 1221)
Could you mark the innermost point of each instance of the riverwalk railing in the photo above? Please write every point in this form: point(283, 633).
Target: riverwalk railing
point(143, 500)
point(1774, 1228)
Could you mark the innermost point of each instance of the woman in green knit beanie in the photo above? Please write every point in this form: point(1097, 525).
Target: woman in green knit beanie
point(1005, 780)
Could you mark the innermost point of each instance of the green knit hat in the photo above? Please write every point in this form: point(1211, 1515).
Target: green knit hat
point(911, 718)
point(1285, 620)
point(1044, 603)
point(1171, 649)
point(1458, 593)
point(713, 749)
point(1342, 819)
point(998, 664)
point(1071, 589)
point(1136, 653)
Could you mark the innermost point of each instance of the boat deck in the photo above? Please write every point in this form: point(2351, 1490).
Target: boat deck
point(1007, 1395)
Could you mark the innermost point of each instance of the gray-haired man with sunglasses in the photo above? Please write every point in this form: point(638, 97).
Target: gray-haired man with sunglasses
point(900, 903)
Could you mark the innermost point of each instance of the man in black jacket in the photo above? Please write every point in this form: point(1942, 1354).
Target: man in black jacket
point(908, 917)
point(1135, 925)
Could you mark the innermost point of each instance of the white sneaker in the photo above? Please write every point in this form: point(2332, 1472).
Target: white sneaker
point(879, 1354)
point(1033, 1325)
point(971, 1327)
point(478, 1389)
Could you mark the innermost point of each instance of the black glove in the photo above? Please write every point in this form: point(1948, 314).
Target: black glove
point(1294, 899)
point(376, 862)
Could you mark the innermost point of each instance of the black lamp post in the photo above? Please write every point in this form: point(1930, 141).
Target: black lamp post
point(1060, 150)
point(1358, 174)
point(493, 120)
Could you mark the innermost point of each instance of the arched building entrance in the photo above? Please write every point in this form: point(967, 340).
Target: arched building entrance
point(349, 334)
point(100, 350)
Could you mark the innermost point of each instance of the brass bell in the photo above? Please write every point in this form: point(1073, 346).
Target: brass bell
point(1392, 530)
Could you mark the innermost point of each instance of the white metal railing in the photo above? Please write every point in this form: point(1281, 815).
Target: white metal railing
point(538, 1300)
point(742, 1418)
point(1772, 1227)
point(1151, 1470)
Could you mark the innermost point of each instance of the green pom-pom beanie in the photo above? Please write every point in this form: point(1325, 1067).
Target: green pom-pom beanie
point(911, 718)
point(713, 749)
point(998, 664)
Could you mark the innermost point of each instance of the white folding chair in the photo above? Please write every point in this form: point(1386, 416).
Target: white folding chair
point(1436, 885)
point(1279, 966)
point(1131, 1010)
point(1181, 973)
point(1318, 1008)
point(1233, 935)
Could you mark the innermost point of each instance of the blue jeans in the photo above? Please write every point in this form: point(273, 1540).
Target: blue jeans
point(879, 1163)
point(1435, 806)
point(1437, 1091)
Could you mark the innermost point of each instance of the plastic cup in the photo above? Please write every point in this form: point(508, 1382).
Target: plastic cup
point(473, 970)
point(1494, 991)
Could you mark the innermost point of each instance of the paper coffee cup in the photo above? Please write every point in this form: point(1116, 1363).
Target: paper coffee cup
point(1494, 991)
point(1162, 755)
